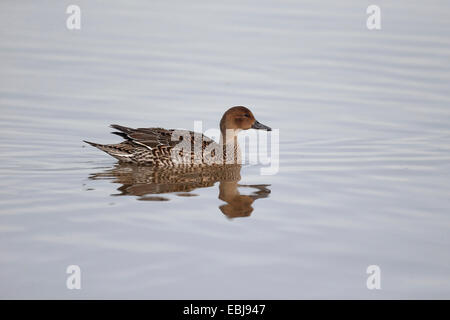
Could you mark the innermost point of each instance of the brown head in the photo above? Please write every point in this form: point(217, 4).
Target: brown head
point(240, 118)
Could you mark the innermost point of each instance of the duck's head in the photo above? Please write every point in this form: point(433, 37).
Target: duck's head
point(240, 118)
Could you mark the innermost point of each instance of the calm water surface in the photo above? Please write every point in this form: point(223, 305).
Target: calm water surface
point(364, 119)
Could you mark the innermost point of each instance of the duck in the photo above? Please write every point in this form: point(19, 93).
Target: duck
point(172, 147)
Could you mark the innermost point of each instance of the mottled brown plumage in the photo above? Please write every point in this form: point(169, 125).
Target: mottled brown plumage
point(171, 147)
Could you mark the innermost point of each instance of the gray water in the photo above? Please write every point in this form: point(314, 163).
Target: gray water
point(364, 120)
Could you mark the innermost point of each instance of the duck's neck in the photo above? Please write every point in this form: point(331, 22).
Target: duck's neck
point(229, 141)
point(229, 137)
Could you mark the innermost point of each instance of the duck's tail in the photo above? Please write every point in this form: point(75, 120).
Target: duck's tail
point(116, 150)
point(97, 145)
point(103, 147)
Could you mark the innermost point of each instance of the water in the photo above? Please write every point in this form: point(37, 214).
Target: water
point(364, 123)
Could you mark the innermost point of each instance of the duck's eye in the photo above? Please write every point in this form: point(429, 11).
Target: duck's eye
point(247, 115)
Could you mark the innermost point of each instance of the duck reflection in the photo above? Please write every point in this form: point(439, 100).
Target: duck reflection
point(150, 183)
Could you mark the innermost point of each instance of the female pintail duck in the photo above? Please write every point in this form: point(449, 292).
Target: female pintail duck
point(171, 147)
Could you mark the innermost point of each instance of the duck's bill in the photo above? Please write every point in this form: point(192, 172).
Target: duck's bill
point(260, 126)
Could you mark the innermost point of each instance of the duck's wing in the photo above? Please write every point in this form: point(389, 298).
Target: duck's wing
point(157, 138)
point(150, 138)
